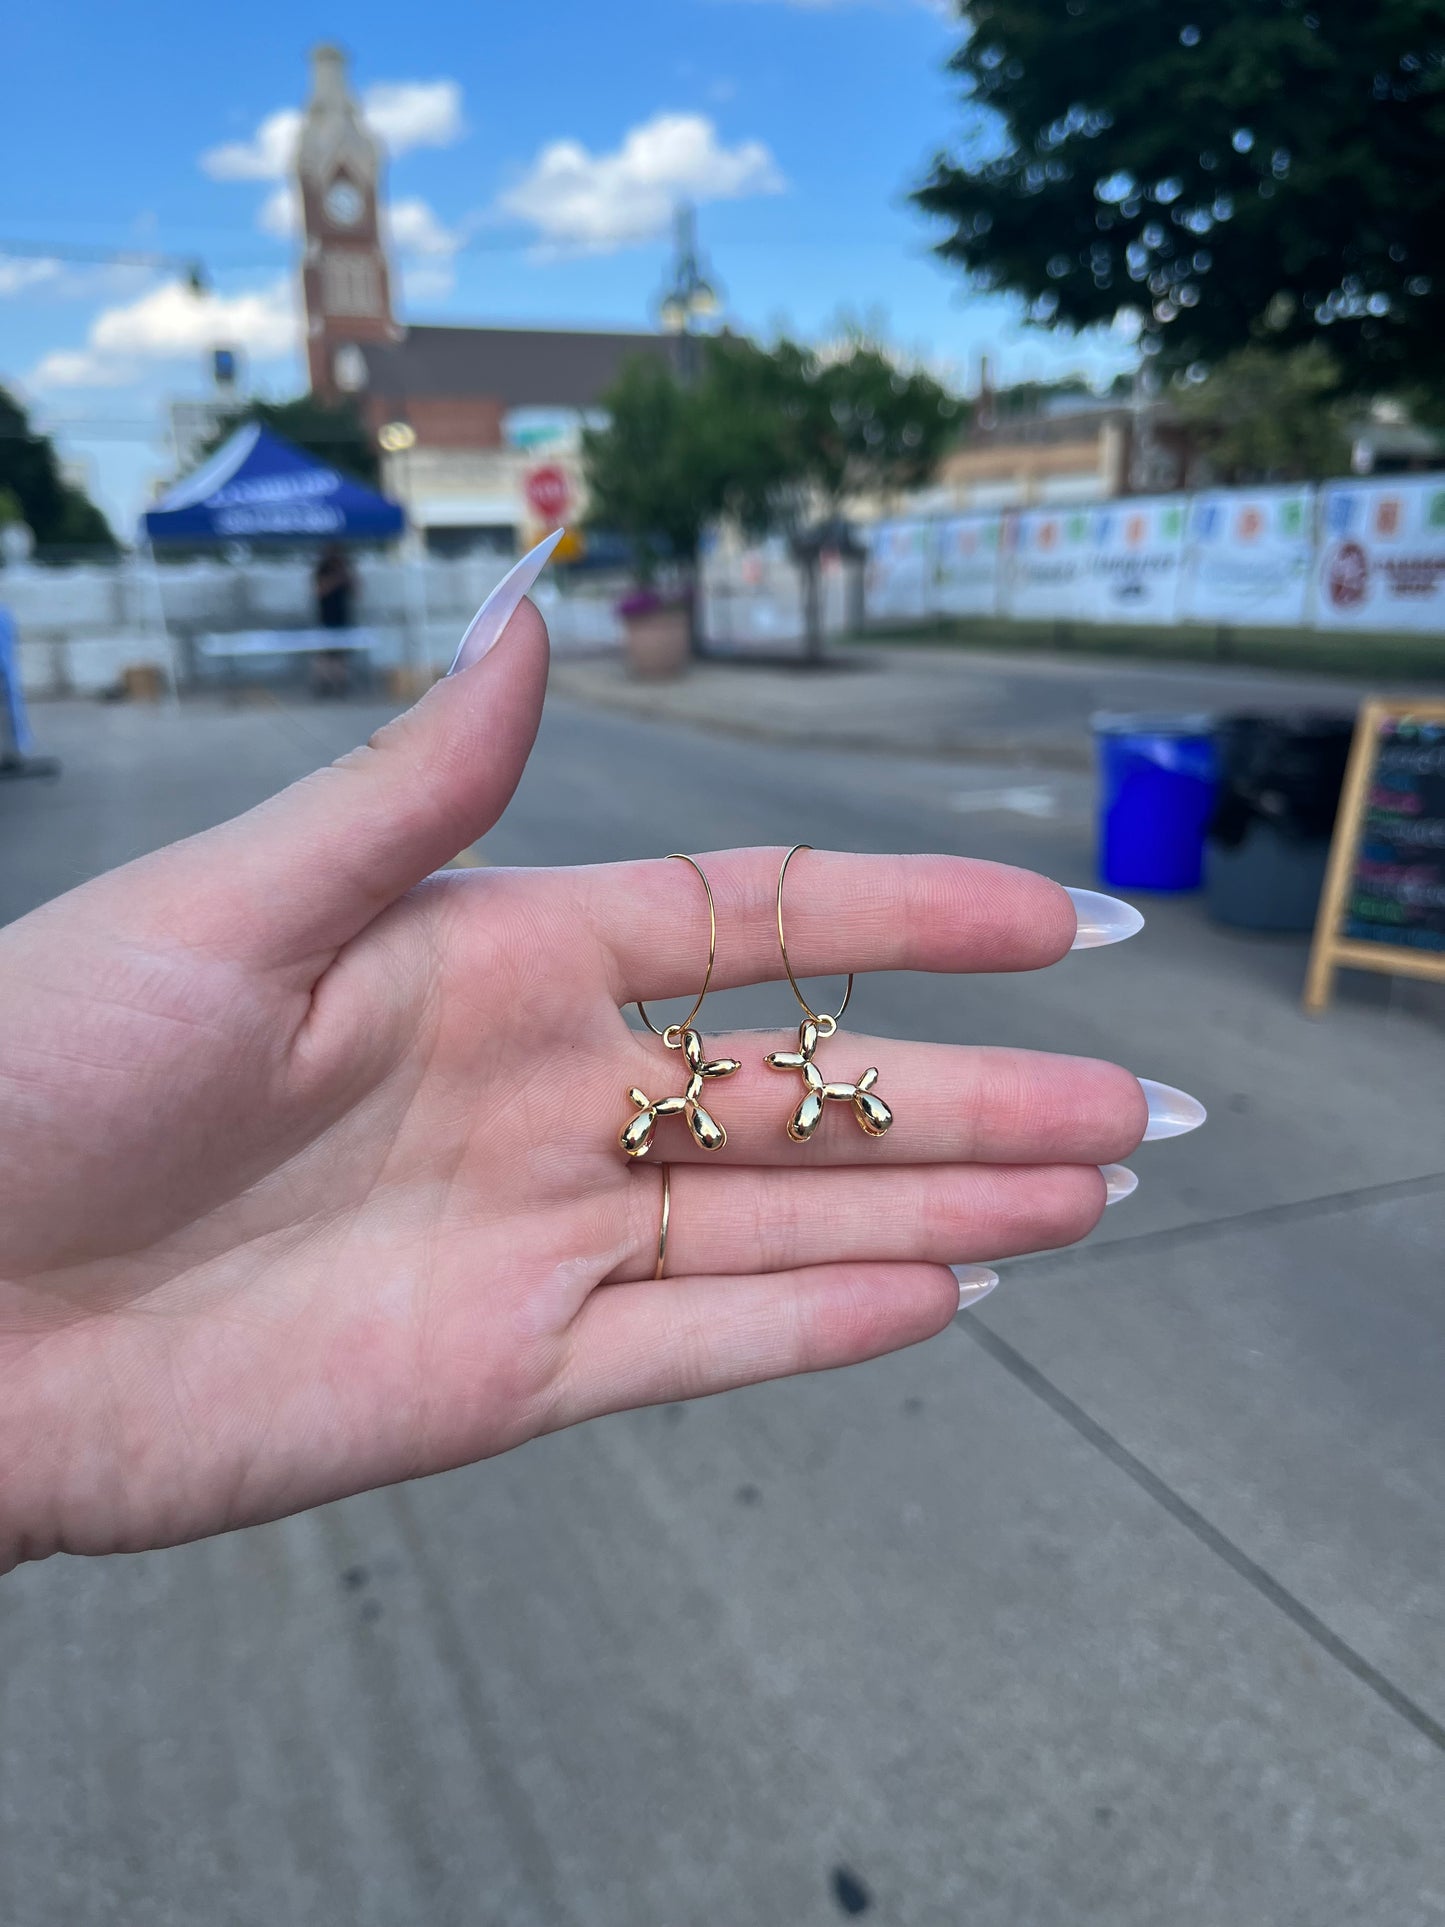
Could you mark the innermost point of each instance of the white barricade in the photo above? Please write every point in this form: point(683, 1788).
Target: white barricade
point(1138, 553)
point(1381, 555)
point(899, 582)
point(967, 553)
point(1047, 568)
point(1249, 557)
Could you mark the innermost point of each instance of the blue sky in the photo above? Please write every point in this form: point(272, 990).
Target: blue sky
point(535, 149)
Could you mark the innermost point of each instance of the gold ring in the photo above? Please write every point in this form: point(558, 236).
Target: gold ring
point(826, 1024)
point(672, 1035)
point(662, 1227)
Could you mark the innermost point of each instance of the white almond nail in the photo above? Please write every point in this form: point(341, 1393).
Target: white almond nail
point(484, 630)
point(1121, 1183)
point(1102, 919)
point(1171, 1112)
point(974, 1282)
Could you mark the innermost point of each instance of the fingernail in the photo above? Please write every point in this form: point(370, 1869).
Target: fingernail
point(496, 612)
point(974, 1282)
point(1101, 919)
point(1121, 1182)
point(1171, 1112)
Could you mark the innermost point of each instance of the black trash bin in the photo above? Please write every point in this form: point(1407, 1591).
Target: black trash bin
point(1269, 839)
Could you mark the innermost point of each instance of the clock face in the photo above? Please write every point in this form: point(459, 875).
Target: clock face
point(344, 204)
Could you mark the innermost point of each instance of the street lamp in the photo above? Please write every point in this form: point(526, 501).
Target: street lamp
point(691, 296)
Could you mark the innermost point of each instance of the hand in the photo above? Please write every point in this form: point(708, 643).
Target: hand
point(309, 1166)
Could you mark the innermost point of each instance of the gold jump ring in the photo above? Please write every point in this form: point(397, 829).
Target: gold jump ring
point(671, 1034)
point(826, 1024)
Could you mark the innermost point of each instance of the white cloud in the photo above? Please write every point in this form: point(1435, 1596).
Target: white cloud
point(596, 202)
point(266, 156)
point(170, 323)
point(280, 212)
point(403, 113)
point(425, 249)
point(20, 272)
point(415, 229)
point(414, 113)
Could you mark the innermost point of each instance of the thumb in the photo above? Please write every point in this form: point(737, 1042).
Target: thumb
point(311, 867)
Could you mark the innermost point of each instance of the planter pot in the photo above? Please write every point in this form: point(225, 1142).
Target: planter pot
point(657, 641)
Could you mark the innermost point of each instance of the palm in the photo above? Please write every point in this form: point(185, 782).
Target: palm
point(317, 1176)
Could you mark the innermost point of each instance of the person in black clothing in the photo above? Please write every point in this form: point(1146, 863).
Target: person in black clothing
point(335, 587)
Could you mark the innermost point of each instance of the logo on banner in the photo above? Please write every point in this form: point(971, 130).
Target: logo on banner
point(1207, 518)
point(1387, 516)
point(1249, 524)
point(1347, 580)
point(1048, 534)
point(1135, 529)
point(1341, 513)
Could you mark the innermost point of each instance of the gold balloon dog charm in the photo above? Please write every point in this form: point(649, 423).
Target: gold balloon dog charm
point(636, 1134)
point(872, 1113)
point(636, 1137)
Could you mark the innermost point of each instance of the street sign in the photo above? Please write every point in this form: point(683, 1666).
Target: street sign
point(548, 493)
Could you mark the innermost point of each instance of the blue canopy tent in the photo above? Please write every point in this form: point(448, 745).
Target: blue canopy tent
point(260, 488)
point(257, 487)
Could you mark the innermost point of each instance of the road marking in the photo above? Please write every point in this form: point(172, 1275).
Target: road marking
point(1015, 802)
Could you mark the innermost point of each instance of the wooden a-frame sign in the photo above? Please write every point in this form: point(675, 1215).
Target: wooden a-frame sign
point(1360, 890)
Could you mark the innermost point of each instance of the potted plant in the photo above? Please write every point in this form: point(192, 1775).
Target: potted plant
point(656, 632)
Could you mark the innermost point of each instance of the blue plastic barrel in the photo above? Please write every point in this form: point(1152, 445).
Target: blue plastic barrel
point(1157, 779)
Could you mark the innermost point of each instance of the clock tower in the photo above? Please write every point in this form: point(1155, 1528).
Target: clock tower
point(345, 282)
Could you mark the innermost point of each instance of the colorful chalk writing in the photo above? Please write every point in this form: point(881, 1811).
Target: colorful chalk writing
point(1396, 892)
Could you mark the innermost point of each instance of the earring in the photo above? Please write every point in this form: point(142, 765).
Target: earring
point(636, 1135)
point(871, 1113)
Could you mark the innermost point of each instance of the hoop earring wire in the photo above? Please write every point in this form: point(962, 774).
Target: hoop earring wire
point(671, 1034)
point(826, 1024)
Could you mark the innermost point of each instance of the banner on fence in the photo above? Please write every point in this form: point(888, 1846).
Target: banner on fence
point(1249, 554)
point(1048, 571)
point(967, 555)
point(1381, 558)
point(1138, 558)
point(900, 571)
point(752, 600)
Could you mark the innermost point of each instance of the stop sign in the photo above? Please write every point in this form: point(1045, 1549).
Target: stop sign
point(547, 493)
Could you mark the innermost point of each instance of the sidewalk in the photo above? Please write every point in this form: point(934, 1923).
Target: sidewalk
point(1032, 710)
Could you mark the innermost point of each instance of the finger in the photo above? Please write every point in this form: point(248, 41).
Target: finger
point(723, 1221)
point(650, 1343)
point(301, 874)
point(950, 1104)
point(840, 913)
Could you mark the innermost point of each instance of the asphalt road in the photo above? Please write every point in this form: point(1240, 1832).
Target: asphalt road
point(1119, 1603)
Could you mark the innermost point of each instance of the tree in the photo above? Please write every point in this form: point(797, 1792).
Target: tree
point(776, 438)
point(805, 431)
point(1262, 416)
point(652, 471)
point(813, 428)
point(1250, 170)
point(331, 431)
point(59, 514)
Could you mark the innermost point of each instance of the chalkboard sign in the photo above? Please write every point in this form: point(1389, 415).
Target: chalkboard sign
point(1383, 906)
